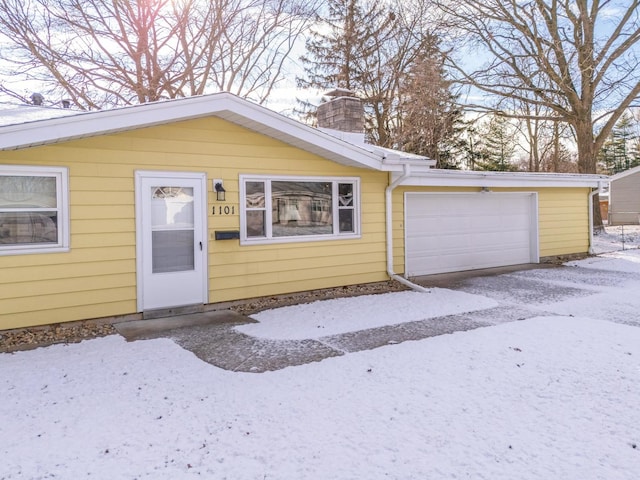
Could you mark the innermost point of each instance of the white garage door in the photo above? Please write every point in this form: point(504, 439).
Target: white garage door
point(465, 231)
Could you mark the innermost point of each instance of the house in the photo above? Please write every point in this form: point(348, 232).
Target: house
point(624, 197)
point(209, 199)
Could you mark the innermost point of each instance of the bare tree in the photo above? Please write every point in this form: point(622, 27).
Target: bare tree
point(542, 137)
point(576, 58)
point(105, 53)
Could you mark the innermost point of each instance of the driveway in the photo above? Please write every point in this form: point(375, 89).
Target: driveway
point(520, 293)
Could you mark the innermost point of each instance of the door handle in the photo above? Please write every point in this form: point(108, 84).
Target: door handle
point(200, 246)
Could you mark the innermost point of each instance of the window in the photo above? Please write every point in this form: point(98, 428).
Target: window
point(33, 210)
point(288, 209)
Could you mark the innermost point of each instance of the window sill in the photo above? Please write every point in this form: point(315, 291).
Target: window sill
point(33, 250)
point(301, 239)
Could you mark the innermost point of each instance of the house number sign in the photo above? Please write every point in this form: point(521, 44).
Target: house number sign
point(226, 210)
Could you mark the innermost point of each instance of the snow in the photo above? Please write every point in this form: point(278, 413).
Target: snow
point(342, 315)
point(550, 397)
point(627, 261)
point(619, 237)
point(13, 114)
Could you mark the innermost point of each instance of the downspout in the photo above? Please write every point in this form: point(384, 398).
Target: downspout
point(389, 231)
point(591, 195)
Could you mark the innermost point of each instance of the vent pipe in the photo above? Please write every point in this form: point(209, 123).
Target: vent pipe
point(37, 98)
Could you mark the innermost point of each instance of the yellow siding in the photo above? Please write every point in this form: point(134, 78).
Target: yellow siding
point(563, 219)
point(97, 277)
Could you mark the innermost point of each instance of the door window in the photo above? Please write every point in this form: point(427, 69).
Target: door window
point(172, 229)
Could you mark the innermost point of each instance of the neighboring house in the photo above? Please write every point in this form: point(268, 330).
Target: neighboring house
point(121, 212)
point(624, 197)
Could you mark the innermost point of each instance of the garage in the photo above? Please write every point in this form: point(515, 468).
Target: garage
point(450, 232)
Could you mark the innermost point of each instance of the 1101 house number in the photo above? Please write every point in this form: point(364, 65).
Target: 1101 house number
point(226, 210)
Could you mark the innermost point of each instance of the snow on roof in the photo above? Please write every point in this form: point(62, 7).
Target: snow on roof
point(15, 114)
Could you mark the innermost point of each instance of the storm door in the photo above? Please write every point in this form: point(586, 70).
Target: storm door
point(171, 239)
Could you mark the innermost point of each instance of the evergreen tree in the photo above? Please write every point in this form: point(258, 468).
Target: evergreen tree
point(619, 152)
point(606, 157)
point(387, 57)
point(430, 123)
point(338, 50)
point(499, 146)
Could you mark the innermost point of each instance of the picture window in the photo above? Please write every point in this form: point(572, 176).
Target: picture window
point(298, 209)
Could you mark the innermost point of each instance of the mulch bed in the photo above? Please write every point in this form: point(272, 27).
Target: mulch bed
point(73, 332)
point(33, 337)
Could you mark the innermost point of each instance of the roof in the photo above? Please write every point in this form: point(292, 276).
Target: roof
point(222, 105)
point(625, 173)
point(12, 114)
point(31, 126)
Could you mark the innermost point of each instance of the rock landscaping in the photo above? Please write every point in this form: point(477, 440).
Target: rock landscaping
point(73, 332)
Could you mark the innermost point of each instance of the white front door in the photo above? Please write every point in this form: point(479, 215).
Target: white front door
point(171, 239)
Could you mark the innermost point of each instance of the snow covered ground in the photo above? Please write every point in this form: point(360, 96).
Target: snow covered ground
point(319, 319)
point(552, 397)
point(619, 237)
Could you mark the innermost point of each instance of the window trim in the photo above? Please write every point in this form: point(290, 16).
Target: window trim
point(268, 238)
point(61, 174)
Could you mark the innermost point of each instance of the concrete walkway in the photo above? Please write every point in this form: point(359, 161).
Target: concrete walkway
point(520, 292)
point(211, 336)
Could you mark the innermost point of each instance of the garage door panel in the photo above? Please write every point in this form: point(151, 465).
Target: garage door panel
point(463, 250)
point(454, 232)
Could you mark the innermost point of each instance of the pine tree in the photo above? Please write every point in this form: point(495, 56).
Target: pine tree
point(606, 157)
point(430, 123)
point(387, 57)
point(499, 146)
point(618, 152)
point(339, 49)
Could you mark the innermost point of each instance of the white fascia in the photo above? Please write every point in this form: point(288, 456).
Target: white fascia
point(465, 178)
point(223, 105)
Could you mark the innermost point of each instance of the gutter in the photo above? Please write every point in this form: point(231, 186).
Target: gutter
point(389, 230)
point(591, 195)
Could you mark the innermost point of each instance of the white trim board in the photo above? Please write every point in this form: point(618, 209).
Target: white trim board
point(222, 105)
point(465, 178)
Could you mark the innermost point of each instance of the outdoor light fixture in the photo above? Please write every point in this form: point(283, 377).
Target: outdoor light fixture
point(220, 191)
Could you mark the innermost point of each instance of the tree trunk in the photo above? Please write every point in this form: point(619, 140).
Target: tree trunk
point(587, 164)
point(598, 226)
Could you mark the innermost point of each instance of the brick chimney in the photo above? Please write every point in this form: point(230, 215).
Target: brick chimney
point(343, 112)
